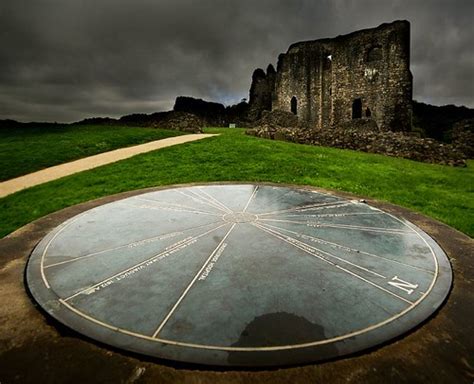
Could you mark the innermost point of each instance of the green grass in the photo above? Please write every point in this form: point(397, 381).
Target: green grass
point(31, 148)
point(442, 192)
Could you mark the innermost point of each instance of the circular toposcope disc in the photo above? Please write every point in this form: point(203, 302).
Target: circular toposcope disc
point(239, 275)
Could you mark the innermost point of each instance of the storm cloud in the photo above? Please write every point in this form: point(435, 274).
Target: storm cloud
point(67, 60)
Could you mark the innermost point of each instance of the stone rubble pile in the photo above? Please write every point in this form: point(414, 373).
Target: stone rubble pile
point(181, 121)
point(462, 137)
point(274, 120)
point(363, 135)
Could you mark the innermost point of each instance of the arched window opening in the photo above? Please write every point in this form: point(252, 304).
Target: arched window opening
point(294, 105)
point(374, 54)
point(327, 61)
point(368, 112)
point(357, 109)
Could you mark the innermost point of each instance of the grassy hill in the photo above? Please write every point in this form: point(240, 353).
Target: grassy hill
point(25, 148)
point(442, 192)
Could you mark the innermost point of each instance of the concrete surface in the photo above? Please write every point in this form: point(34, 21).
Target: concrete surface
point(34, 348)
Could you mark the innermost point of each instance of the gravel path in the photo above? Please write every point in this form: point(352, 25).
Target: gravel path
point(52, 173)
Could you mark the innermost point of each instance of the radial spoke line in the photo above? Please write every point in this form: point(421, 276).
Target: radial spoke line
point(318, 239)
point(175, 306)
point(156, 207)
point(215, 200)
point(316, 225)
point(327, 253)
point(202, 200)
point(250, 198)
point(308, 207)
point(337, 214)
point(137, 242)
point(281, 196)
point(164, 203)
point(210, 201)
point(335, 265)
point(375, 285)
point(176, 246)
point(362, 228)
point(406, 224)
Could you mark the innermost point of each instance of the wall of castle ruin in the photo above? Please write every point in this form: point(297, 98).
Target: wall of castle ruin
point(364, 74)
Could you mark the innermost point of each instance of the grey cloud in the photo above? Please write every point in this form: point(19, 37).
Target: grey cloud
point(66, 60)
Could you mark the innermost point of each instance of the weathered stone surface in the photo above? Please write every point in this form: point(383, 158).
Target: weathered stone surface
point(261, 92)
point(354, 92)
point(330, 81)
point(181, 121)
point(363, 124)
point(56, 355)
point(278, 119)
point(462, 137)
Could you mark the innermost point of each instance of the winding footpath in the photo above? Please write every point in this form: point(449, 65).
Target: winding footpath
point(52, 173)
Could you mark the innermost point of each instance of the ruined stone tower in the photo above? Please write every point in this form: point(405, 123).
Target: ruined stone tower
point(326, 82)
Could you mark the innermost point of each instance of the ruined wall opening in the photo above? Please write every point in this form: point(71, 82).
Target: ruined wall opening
point(357, 109)
point(327, 62)
point(294, 105)
point(374, 53)
point(327, 75)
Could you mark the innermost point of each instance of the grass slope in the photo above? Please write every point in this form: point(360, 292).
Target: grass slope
point(442, 192)
point(31, 148)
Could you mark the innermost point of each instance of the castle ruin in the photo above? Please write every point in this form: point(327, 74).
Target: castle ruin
point(362, 75)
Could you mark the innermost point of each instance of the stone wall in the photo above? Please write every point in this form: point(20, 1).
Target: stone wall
point(364, 135)
point(261, 92)
point(330, 81)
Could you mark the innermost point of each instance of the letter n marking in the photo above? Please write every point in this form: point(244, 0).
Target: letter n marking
point(403, 285)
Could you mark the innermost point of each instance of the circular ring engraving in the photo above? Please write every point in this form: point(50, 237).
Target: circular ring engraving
point(240, 275)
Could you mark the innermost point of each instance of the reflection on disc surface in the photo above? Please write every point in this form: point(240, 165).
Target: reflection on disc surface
point(239, 275)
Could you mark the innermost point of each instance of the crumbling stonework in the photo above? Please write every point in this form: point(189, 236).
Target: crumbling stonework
point(261, 91)
point(181, 121)
point(365, 136)
point(327, 82)
point(274, 120)
point(462, 137)
point(213, 113)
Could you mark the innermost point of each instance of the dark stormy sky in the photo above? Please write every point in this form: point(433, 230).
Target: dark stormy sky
point(64, 60)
